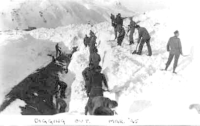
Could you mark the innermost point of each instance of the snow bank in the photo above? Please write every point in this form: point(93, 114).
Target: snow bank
point(54, 13)
point(136, 82)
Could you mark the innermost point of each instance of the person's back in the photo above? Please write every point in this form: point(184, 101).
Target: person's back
point(60, 105)
point(143, 33)
point(103, 111)
point(92, 43)
point(175, 45)
point(132, 24)
point(95, 59)
point(121, 32)
point(86, 73)
point(113, 20)
point(97, 79)
point(93, 40)
point(119, 20)
point(86, 41)
point(121, 35)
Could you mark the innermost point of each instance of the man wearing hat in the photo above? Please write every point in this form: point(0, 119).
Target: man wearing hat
point(119, 21)
point(87, 73)
point(96, 81)
point(92, 42)
point(174, 48)
point(114, 24)
point(145, 38)
point(95, 58)
point(132, 30)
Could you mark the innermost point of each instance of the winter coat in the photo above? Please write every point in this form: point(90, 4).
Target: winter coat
point(143, 33)
point(132, 24)
point(97, 79)
point(96, 84)
point(119, 20)
point(86, 41)
point(95, 59)
point(92, 40)
point(92, 44)
point(87, 73)
point(121, 32)
point(113, 21)
point(174, 46)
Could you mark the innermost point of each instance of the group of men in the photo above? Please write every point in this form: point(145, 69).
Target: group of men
point(92, 75)
point(61, 86)
point(144, 37)
point(173, 45)
point(94, 79)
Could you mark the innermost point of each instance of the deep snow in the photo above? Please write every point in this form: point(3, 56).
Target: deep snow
point(53, 13)
point(137, 82)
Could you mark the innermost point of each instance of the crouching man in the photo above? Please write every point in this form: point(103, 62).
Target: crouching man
point(60, 105)
point(100, 105)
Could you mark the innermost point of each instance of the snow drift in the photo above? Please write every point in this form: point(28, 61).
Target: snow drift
point(53, 13)
point(136, 82)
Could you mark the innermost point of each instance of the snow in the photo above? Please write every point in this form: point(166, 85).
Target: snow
point(136, 82)
point(54, 13)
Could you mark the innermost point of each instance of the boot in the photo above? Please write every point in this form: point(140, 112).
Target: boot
point(166, 68)
point(174, 70)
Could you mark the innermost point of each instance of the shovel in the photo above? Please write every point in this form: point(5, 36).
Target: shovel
point(135, 51)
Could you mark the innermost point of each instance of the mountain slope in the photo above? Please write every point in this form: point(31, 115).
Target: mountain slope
point(54, 13)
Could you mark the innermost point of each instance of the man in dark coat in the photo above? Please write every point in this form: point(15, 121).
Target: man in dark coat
point(132, 30)
point(144, 35)
point(86, 41)
point(96, 83)
point(121, 35)
point(58, 50)
point(92, 42)
point(95, 58)
point(87, 73)
point(175, 49)
point(114, 24)
point(119, 21)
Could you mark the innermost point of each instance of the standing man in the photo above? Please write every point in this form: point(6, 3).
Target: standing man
point(92, 42)
point(96, 82)
point(95, 58)
point(113, 22)
point(119, 21)
point(58, 50)
point(121, 36)
point(175, 49)
point(132, 30)
point(86, 41)
point(87, 73)
point(144, 37)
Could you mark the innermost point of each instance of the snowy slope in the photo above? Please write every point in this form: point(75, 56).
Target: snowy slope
point(54, 13)
point(137, 83)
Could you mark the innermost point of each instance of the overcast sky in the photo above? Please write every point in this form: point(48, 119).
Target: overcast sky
point(143, 5)
point(146, 5)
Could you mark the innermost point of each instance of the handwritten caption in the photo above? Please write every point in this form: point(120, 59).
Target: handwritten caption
point(83, 121)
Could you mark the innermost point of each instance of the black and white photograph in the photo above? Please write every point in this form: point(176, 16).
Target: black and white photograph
point(101, 59)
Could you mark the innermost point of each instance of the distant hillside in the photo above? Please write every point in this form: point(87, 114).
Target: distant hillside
point(53, 13)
